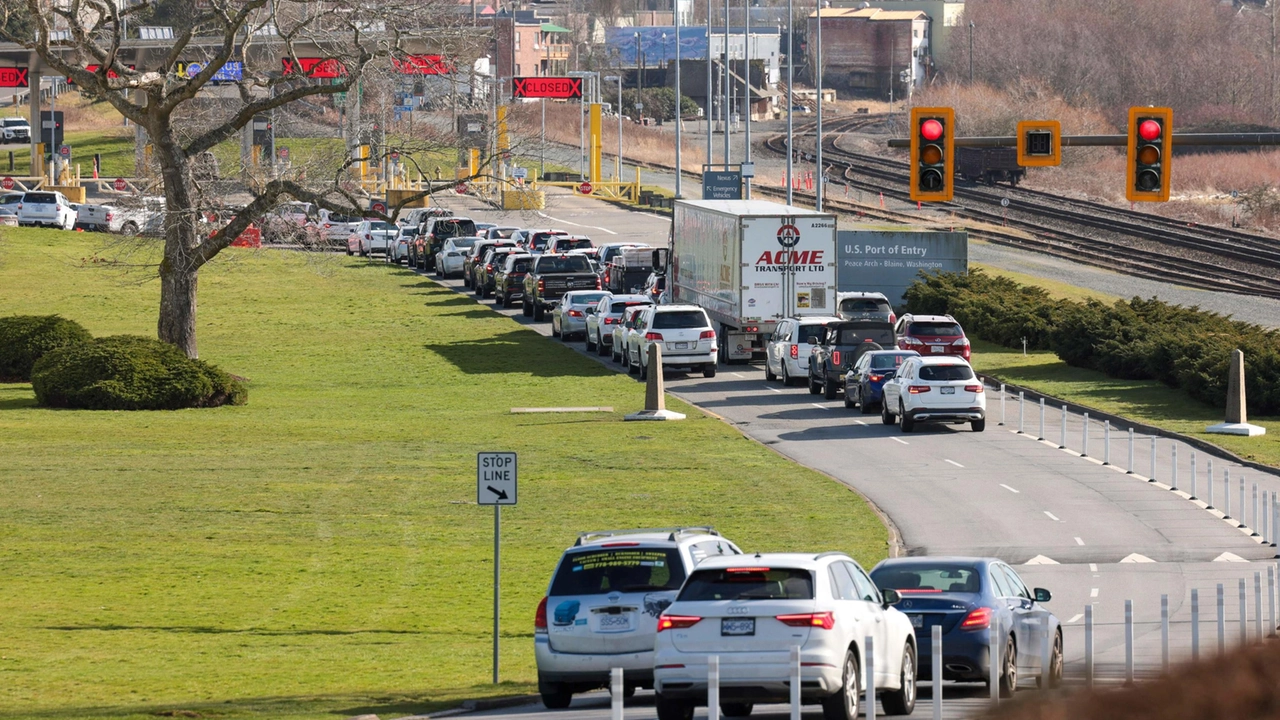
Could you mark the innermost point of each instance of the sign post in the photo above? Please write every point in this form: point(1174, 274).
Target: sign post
point(496, 486)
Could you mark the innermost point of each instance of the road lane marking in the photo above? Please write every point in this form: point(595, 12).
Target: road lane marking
point(1052, 516)
point(904, 442)
point(953, 462)
point(1079, 541)
point(773, 389)
point(1075, 618)
point(1093, 567)
point(737, 374)
point(820, 407)
point(1006, 487)
point(1136, 558)
point(1093, 592)
point(566, 222)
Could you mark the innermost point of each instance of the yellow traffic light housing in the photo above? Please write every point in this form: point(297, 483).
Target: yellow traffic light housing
point(1039, 143)
point(1149, 168)
point(933, 170)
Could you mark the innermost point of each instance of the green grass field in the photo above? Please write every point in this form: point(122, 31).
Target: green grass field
point(318, 553)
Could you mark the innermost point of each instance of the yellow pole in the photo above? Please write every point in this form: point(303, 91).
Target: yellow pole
point(504, 140)
point(635, 189)
point(596, 175)
point(473, 165)
point(362, 154)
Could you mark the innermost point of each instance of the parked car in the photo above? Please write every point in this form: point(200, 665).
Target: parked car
point(656, 287)
point(416, 216)
point(535, 241)
point(8, 218)
point(751, 610)
point(934, 390)
point(932, 335)
point(435, 231)
point(96, 218)
point(487, 269)
point(788, 348)
point(621, 332)
point(685, 334)
point(500, 232)
point(551, 277)
point(864, 382)
point(864, 306)
point(48, 209)
point(475, 255)
point(145, 215)
point(608, 314)
point(399, 251)
point(966, 596)
point(337, 227)
point(452, 253)
point(483, 227)
point(372, 237)
point(9, 201)
point(839, 348)
point(569, 316)
point(15, 130)
point(508, 281)
point(562, 244)
point(602, 605)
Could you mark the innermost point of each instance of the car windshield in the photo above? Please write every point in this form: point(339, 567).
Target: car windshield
point(498, 258)
point(579, 244)
point(464, 242)
point(378, 225)
point(881, 333)
point(588, 298)
point(631, 569)
point(408, 232)
point(864, 305)
point(503, 233)
point(453, 228)
point(680, 319)
point(618, 307)
point(748, 584)
point(946, 372)
point(917, 579)
point(888, 362)
point(563, 264)
point(14, 122)
point(942, 329)
point(40, 198)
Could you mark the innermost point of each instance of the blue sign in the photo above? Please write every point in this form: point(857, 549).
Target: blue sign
point(721, 185)
point(404, 108)
point(230, 72)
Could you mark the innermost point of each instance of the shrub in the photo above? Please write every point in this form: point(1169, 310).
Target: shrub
point(25, 338)
point(127, 372)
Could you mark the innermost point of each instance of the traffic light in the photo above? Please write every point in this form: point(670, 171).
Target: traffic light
point(1150, 164)
point(1039, 143)
point(932, 154)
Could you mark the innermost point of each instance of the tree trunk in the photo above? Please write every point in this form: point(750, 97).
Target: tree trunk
point(180, 268)
point(178, 306)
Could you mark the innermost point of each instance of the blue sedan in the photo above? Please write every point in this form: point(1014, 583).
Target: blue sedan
point(966, 596)
point(864, 383)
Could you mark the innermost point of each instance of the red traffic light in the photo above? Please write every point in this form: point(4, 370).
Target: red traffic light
point(1149, 130)
point(931, 129)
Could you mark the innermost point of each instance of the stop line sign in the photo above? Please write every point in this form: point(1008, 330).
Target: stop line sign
point(460, 188)
point(7, 183)
point(585, 188)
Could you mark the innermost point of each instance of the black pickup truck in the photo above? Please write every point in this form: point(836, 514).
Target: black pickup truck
point(839, 348)
point(551, 277)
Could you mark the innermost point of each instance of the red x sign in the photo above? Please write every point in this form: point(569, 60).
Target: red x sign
point(14, 77)
point(559, 88)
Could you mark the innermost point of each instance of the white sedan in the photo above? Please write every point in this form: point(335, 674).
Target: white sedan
point(372, 237)
point(449, 261)
point(934, 390)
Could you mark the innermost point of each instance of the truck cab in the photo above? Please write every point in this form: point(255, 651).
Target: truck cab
point(551, 277)
point(839, 348)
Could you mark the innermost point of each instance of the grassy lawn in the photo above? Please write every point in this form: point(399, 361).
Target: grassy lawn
point(318, 553)
point(116, 150)
point(1143, 400)
point(1056, 289)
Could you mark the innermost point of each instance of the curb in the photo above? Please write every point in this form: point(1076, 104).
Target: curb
point(1121, 422)
point(468, 706)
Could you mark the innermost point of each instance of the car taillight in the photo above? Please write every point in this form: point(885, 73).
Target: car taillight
point(835, 357)
point(962, 342)
point(368, 236)
point(892, 318)
point(542, 285)
point(575, 313)
point(707, 335)
point(110, 217)
point(676, 622)
point(653, 336)
point(795, 352)
point(917, 389)
point(907, 342)
point(327, 226)
point(489, 267)
point(824, 620)
point(597, 283)
point(540, 617)
point(875, 378)
point(977, 619)
point(973, 388)
point(610, 321)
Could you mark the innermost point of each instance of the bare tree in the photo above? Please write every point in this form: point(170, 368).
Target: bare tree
point(229, 61)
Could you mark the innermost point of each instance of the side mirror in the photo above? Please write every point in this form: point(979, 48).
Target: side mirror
point(891, 596)
point(1042, 595)
point(812, 340)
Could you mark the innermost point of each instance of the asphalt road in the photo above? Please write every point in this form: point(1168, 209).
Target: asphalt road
point(1094, 534)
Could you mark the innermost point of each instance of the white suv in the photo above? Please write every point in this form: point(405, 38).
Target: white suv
point(750, 612)
point(934, 389)
point(788, 348)
point(602, 606)
point(684, 333)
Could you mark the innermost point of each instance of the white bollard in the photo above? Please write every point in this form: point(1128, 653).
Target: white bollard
point(1041, 435)
point(1275, 519)
point(1130, 471)
point(1244, 614)
point(1106, 442)
point(1193, 475)
point(1244, 508)
point(1003, 417)
point(869, 709)
point(1152, 476)
point(993, 659)
point(795, 682)
point(1164, 634)
point(616, 691)
point(713, 687)
point(1195, 625)
point(1257, 606)
point(1022, 409)
point(936, 638)
point(1226, 487)
point(1088, 646)
point(1271, 601)
point(1222, 621)
point(1084, 443)
point(1128, 642)
point(1208, 477)
point(1254, 498)
point(1062, 441)
point(1173, 476)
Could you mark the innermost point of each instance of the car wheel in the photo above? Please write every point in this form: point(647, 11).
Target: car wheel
point(978, 425)
point(843, 705)
point(814, 387)
point(466, 278)
point(601, 348)
point(1055, 661)
point(131, 229)
point(590, 345)
point(631, 368)
point(903, 700)
point(525, 309)
point(907, 423)
point(768, 371)
point(485, 291)
point(349, 253)
point(738, 710)
point(828, 389)
point(674, 709)
point(614, 355)
point(786, 377)
point(848, 401)
point(865, 406)
point(555, 696)
point(709, 370)
point(1009, 669)
point(886, 418)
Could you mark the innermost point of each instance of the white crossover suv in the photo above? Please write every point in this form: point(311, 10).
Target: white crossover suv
point(750, 611)
point(934, 389)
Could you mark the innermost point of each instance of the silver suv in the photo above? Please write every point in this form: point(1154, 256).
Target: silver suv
point(602, 606)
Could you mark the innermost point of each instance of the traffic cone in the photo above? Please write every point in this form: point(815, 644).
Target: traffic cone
point(882, 200)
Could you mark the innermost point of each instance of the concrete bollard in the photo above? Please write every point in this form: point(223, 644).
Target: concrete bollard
point(1106, 442)
point(1257, 606)
point(1222, 621)
point(1041, 435)
point(869, 708)
point(1254, 499)
point(1062, 441)
point(713, 687)
point(1164, 634)
point(1173, 474)
point(616, 692)
point(936, 659)
point(1195, 625)
point(1128, 642)
point(1130, 471)
point(1208, 477)
point(1244, 614)
point(1003, 417)
point(1084, 443)
point(1193, 475)
point(1226, 487)
point(655, 402)
point(1088, 646)
point(993, 659)
point(1152, 476)
point(795, 682)
point(1022, 409)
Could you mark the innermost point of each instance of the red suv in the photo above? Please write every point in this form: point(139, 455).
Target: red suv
point(932, 335)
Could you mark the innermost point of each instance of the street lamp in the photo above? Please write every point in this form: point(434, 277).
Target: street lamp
point(791, 151)
point(970, 52)
point(618, 160)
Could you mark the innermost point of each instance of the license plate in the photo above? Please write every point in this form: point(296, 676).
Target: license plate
point(737, 626)
point(680, 346)
point(917, 621)
point(937, 349)
point(948, 391)
point(613, 623)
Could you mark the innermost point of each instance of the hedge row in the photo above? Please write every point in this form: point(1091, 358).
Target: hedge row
point(1136, 339)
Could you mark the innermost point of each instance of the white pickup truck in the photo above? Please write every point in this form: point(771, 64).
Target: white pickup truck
point(97, 218)
point(50, 209)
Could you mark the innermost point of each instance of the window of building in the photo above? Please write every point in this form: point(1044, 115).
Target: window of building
point(518, 34)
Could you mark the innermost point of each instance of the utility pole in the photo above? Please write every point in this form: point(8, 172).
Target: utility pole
point(746, 86)
point(1273, 48)
point(679, 118)
point(725, 87)
point(791, 153)
point(710, 158)
point(817, 64)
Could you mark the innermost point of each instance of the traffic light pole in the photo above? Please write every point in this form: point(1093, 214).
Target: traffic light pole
point(1203, 139)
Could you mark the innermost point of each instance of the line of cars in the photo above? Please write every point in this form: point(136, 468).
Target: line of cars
point(659, 603)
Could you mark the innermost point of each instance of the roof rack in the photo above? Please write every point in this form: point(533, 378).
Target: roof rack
point(673, 531)
point(829, 553)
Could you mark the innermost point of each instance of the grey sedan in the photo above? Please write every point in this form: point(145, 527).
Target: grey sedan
point(570, 314)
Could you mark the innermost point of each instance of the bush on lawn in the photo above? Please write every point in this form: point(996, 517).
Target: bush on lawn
point(25, 338)
point(1137, 339)
point(127, 372)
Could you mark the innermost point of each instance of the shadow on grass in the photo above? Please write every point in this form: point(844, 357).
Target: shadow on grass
point(18, 403)
point(518, 351)
point(209, 630)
